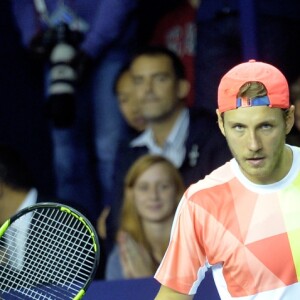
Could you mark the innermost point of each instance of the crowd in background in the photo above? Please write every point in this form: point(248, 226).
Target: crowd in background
point(76, 159)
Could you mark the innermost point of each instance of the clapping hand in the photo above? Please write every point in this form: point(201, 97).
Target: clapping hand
point(135, 259)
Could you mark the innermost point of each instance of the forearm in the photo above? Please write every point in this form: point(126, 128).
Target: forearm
point(111, 17)
point(24, 17)
point(166, 293)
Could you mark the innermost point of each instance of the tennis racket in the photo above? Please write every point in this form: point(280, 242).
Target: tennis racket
point(47, 251)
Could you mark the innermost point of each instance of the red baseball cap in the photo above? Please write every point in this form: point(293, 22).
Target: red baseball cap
point(274, 81)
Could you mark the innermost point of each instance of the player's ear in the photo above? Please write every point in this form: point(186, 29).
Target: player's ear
point(221, 121)
point(183, 88)
point(289, 119)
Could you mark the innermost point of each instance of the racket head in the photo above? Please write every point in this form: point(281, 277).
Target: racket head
point(47, 251)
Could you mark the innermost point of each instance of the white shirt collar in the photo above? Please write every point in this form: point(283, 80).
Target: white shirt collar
point(174, 147)
point(267, 188)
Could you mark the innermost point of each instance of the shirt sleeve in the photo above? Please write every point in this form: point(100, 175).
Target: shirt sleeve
point(184, 264)
point(25, 19)
point(111, 18)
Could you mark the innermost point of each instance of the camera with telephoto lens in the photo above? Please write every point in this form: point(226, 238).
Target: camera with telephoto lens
point(62, 44)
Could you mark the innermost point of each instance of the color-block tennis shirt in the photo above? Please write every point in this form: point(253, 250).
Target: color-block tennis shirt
point(248, 234)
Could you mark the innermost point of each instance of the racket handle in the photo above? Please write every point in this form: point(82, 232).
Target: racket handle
point(79, 295)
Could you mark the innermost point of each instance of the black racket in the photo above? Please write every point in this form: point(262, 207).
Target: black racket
point(47, 251)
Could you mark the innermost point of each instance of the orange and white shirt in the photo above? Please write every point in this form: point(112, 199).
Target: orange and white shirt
point(248, 234)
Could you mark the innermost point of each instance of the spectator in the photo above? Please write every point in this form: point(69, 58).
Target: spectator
point(131, 112)
point(16, 183)
point(150, 12)
point(242, 220)
point(152, 190)
point(128, 103)
point(176, 30)
point(18, 190)
point(161, 87)
point(189, 139)
point(235, 30)
point(87, 41)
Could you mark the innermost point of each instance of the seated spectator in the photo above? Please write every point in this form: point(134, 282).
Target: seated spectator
point(232, 31)
point(129, 105)
point(17, 185)
point(131, 111)
point(17, 189)
point(176, 30)
point(152, 189)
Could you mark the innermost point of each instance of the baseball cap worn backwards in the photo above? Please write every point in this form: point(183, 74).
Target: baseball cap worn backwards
point(273, 80)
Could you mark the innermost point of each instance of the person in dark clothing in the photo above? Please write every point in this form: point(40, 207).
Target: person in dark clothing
point(84, 44)
point(132, 115)
point(231, 31)
point(18, 191)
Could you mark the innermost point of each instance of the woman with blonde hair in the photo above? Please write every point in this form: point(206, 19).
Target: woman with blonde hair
point(153, 188)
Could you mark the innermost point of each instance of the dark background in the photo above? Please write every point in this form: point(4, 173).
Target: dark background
point(22, 123)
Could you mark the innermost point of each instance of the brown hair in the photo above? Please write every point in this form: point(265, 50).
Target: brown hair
point(252, 89)
point(256, 89)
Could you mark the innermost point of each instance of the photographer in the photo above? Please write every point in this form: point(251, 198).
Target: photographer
point(83, 43)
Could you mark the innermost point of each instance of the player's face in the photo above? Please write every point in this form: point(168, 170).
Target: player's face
point(256, 138)
point(155, 194)
point(128, 103)
point(156, 86)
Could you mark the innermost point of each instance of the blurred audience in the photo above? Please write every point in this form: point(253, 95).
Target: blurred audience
point(84, 43)
point(128, 103)
point(232, 31)
point(18, 190)
point(17, 185)
point(189, 138)
point(150, 13)
point(152, 190)
point(176, 30)
point(132, 114)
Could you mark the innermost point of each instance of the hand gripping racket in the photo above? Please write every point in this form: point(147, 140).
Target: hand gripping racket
point(47, 251)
